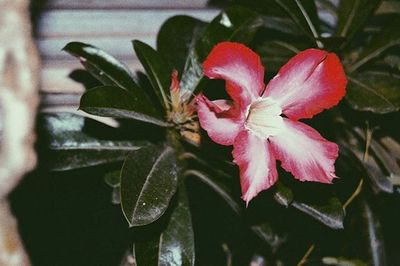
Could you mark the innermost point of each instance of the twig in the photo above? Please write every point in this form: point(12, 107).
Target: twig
point(306, 255)
point(355, 194)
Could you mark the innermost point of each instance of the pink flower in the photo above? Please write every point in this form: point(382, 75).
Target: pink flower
point(261, 122)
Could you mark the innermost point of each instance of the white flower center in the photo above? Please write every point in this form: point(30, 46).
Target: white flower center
point(264, 118)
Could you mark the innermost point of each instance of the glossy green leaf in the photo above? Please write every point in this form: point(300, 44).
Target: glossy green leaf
point(175, 38)
point(282, 194)
point(157, 69)
point(70, 148)
point(297, 17)
point(384, 39)
point(304, 14)
point(377, 92)
point(233, 24)
point(176, 246)
point(111, 101)
point(149, 179)
point(372, 228)
point(103, 65)
point(331, 214)
point(353, 14)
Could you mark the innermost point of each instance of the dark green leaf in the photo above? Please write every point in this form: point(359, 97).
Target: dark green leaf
point(148, 182)
point(275, 54)
point(266, 232)
point(355, 146)
point(353, 14)
point(342, 261)
point(377, 177)
point(377, 163)
point(387, 160)
point(70, 148)
point(373, 230)
point(175, 38)
point(233, 24)
point(102, 65)
point(386, 38)
point(304, 14)
point(392, 145)
point(176, 245)
point(157, 69)
point(263, 231)
point(377, 92)
point(331, 214)
point(218, 187)
point(116, 102)
point(282, 194)
point(389, 6)
point(146, 253)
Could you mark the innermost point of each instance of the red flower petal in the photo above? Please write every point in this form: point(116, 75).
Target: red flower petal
point(304, 153)
point(256, 163)
point(220, 119)
point(240, 67)
point(310, 82)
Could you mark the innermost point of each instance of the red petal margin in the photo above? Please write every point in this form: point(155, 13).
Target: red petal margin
point(220, 119)
point(240, 67)
point(305, 153)
point(310, 82)
point(256, 163)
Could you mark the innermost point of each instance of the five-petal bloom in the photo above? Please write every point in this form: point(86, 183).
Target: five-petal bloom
point(262, 121)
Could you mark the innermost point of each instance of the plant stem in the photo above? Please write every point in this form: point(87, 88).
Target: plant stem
point(306, 255)
point(355, 194)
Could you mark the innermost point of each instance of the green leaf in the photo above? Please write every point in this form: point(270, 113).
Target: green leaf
point(342, 261)
point(218, 187)
point(116, 102)
point(378, 92)
point(157, 69)
point(353, 14)
point(175, 38)
point(236, 24)
point(102, 65)
point(70, 148)
point(175, 244)
point(263, 231)
point(375, 163)
point(282, 194)
point(304, 14)
point(266, 232)
point(148, 181)
point(282, 24)
point(275, 54)
point(373, 231)
point(331, 215)
point(146, 252)
point(386, 38)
